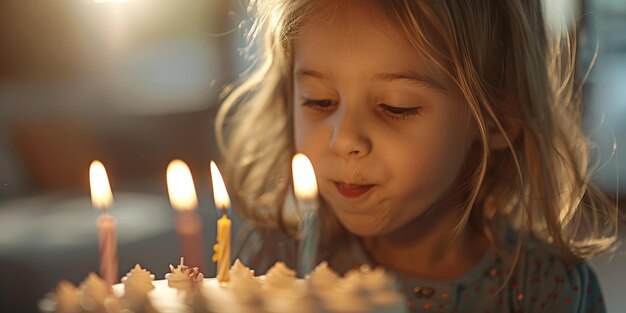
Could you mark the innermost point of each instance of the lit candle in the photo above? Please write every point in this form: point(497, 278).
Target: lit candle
point(102, 198)
point(182, 194)
point(222, 202)
point(305, 187)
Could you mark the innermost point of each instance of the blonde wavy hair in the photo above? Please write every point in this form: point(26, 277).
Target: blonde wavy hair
point(516, 76)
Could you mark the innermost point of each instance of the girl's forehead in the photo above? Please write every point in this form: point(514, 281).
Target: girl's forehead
point(348, 16)
point(356, 38)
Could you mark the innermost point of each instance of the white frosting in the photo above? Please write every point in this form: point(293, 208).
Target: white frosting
point(239, 272)
point(66, 299)
point(94, 287)
point(164, 298)
point(322, 277)
point(282, 291)
point(381, 291)
point(374, 280)
point(183, 277)
point(178, 280)
point(198, 302)
point(138, 281)
point(343, 300)
point(292, 302)
point(363, 291)
point(97, 295)
point(280, 277)
point(244, 285)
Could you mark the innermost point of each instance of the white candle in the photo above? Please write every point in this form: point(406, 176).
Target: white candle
point(305, 187)
point(183, 198)
point(102, 198)
point(222, 248)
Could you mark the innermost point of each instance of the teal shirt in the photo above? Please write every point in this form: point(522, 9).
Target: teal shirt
point(541, 281)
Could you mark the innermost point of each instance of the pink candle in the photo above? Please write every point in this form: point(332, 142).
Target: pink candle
point(182, 194)
point(102, 198)
point(108, 249)
point(189, 229)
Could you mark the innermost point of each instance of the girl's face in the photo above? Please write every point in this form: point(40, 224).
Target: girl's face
point(383, 131)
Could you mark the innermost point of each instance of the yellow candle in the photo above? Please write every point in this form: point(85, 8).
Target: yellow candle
point(222, 248)
point(102, 198)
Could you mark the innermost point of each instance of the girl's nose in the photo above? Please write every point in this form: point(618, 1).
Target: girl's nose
point(349, 138)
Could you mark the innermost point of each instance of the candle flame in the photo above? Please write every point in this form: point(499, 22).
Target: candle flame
point(180, 187)
point(304, 181)
point(101, 195)
point(220, 194)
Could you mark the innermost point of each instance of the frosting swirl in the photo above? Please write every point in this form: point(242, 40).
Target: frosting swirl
point(242, 277)
point(178, 280)
point(376, 279)
point(183, 276)
point(97, 295)
point(323, 276)
point(241, 271)
point(138, 280)
point(67, 297)
point(280, 276)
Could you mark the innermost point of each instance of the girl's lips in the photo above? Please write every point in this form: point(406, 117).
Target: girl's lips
point(352, 191)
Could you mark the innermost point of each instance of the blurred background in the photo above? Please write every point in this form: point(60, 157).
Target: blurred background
point(136, 84)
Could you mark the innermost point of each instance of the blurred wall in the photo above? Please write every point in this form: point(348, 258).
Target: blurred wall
point(603, 40)
point(135, 84)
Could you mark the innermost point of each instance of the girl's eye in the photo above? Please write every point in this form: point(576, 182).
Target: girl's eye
point(319, 105)
point(399, 113)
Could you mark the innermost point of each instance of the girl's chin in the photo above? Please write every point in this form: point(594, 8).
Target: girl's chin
point(365, 225)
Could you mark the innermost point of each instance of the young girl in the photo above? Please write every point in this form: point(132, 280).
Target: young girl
point(447, 145)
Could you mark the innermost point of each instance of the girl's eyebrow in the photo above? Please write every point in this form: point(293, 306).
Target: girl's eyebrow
point(411, 76)
point(420, 79)
point(309, 73)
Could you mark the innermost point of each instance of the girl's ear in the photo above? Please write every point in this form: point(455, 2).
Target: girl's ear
point(498, 137)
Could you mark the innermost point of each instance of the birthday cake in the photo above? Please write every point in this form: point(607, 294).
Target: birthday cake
point(185, 289)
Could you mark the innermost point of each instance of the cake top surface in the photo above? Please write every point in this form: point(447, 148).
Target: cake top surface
point(185, 289)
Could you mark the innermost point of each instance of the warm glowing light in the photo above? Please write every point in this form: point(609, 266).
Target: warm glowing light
point(180, 187)
point(304, 181)
point(220, 195)
point(101, 195)
point(111, 1)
